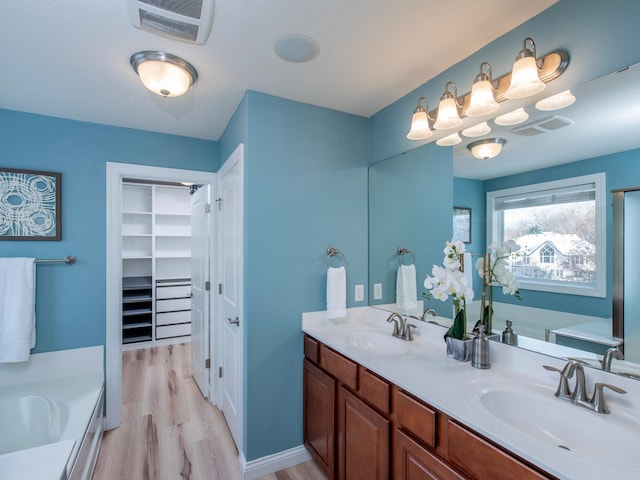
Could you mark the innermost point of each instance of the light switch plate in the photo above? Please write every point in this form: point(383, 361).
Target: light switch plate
point(359, 293)
point(377, 291)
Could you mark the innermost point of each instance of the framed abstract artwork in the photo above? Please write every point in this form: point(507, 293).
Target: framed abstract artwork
point(462, 224)
point(30, 207)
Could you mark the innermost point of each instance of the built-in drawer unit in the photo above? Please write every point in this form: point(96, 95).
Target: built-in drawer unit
point(173, 309)
point(173, 305)
point(170, 318)
point(177, 291)
point(178, 330)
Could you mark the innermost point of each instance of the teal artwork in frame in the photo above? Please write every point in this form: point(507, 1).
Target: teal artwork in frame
point(30, 207)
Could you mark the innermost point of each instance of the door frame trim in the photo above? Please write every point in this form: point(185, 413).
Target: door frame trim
point(116, 173)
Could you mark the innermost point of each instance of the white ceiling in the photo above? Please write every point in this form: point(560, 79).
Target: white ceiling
point(70, 58)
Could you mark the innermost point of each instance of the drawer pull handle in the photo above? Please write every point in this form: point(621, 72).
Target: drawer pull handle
point(236, 321)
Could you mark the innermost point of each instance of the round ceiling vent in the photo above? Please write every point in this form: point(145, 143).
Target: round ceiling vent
point(296, 48)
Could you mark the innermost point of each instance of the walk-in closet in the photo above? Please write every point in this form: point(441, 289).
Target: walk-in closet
point(156, 264)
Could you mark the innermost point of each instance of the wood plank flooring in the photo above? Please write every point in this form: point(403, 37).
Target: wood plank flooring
point(169, 431)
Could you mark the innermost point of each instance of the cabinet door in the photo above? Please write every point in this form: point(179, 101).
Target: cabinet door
point(413, 461)
point(363, 440)
point(319, 416)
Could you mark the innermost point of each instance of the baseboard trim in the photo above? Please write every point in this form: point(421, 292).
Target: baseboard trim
point(273, 463)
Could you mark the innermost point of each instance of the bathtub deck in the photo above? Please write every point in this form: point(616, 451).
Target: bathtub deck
point(169, 431)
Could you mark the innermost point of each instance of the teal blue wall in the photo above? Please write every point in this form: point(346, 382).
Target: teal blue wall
point(305, 189)
point(408, 199)
point(70, 300)
point(600, 37)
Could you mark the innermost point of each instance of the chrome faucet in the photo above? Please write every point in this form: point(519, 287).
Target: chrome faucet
point(579, 394)
point(401, 328)
point(422, 318)
point(609, 355)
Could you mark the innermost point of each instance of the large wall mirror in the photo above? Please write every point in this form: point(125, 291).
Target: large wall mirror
point(412, 196)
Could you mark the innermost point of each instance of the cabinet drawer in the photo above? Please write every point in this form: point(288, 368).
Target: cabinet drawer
point(173, 305)
point(345, 370)
point(311, 349)
point(417, 418)
point(173, 330)
point(173, 317)
point(482, 459)
point(177, 291)
point(375, 390)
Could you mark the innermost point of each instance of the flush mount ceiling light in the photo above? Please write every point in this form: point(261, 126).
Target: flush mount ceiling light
point(529, 76)
point(556, 102)
point(420, 122)
point(162, 73)
point(477, 130)
point(487, 148)
point(482, 100)
point(296, 48)
point(449, 140)
point(515, 117)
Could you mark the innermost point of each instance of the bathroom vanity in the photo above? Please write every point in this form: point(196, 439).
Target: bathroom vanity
point(377, 407)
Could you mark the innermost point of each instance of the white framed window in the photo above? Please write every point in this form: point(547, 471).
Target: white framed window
point(561, 229)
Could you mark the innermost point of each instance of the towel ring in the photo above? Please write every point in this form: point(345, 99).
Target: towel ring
point(405, 251)
point(332, 252)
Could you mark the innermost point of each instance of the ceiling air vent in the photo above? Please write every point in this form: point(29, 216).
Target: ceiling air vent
point(185, 20)
point(544, 125)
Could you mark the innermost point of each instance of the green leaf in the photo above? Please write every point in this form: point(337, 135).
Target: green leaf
point(457, 330)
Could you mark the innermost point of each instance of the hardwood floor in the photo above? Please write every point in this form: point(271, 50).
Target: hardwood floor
point(169, 431)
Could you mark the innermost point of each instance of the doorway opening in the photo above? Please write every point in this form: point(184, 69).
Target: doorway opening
point(117, 174)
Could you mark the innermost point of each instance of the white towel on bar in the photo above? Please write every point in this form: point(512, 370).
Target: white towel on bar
point(468, 269)
point(17, 308)
point(336, 292)
point(406, 288)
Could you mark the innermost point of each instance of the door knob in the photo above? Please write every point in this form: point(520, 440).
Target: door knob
point(235, 321)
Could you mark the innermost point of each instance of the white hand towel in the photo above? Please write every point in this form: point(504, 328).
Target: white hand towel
point(17, 308)
point(336, 292)
point(406, 289)
point(468, 270)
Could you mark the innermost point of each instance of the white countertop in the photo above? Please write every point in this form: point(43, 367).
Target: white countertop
point(47, 462)
point(426, 372)
point(597, 332)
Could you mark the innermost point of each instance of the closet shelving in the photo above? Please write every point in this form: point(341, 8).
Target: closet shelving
point(156, 264)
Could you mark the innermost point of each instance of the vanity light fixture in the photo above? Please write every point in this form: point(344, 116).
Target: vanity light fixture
point(449, 140)
point(477, 130)
point(482, 100)
point(529, 76)
point(514, 117)
point(556, 102)
point(448, 116)
point(420, 122)
point(525, 79)
point(487, 148)
point(162, 73)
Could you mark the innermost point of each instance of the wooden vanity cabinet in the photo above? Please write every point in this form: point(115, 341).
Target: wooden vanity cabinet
point(319, 417)
point(346, 424)
point(359, 426)
point(363, 440)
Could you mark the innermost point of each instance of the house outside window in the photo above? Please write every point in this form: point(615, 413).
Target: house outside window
point(561, 229)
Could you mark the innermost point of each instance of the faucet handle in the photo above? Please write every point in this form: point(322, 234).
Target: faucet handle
point(598, 401)
point(408, 334)
point(563, 387)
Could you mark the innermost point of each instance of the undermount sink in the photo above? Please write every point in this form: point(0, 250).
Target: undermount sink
point(535, 411)
point(376, 341)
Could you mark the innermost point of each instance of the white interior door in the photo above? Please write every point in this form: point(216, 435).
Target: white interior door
point(230, 261)
point(200, 276)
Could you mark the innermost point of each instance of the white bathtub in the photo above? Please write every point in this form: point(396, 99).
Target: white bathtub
point(52, 399)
